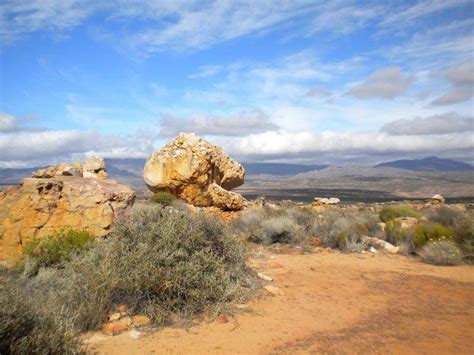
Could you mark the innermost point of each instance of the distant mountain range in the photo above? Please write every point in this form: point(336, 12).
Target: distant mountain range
point(402, 178)
point(427, 164)
point(279, 169)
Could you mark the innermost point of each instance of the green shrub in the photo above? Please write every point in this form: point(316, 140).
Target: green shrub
point(425, 233)
point(464, 236)
point(163, 197)
point(268, 226)
point(160, 261)
point(24, 329)
point(445, 216)
point(389, 213)
point(441, 252)
point(55, 249)
point(395, 234)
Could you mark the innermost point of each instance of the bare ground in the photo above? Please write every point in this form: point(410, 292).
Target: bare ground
point(332, 304)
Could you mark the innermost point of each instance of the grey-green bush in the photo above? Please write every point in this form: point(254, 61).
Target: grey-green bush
point(24, 326)
point(441, 252)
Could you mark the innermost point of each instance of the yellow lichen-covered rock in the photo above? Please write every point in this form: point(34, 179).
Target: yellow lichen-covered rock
point(190, 168)
point(41, 207)
point(93, 168)
point(226, 200)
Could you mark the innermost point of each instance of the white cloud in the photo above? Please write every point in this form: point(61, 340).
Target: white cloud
point(412, 13)
point(461, 77)
point(9, 123)
point(455, 95)
point(340, 145)
point(462, 73)
point(19, 17)
point(385, 83)
point(207, 71)
point(446, 123)
point(242, 124)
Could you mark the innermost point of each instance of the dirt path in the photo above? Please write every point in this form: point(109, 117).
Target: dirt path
point(333, 304)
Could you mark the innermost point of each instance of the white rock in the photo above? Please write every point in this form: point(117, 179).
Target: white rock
point(134, 334)
point(372, 250)
point(264, 277)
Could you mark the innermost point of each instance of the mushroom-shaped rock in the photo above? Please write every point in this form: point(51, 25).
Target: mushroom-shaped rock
point(437, 199)
point(94, 168)
point(196, 171)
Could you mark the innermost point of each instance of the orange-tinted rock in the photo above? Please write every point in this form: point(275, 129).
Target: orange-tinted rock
point(41, 207)
point(113, 328)
point(140, 321)
point(195, 171)
point(222, 318)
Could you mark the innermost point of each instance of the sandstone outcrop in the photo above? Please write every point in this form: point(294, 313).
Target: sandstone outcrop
point(437, 199)
point(326, 201)
point(197, 172)
point(42, 206)
point(93, 168)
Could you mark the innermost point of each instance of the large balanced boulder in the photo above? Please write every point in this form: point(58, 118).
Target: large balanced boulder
point(195, 171)
point(42, 206)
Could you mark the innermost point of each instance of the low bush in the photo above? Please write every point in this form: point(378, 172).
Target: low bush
point(425, 233)
point(25, 329)
point(445, 216)
point(160, 261)
point(389, 213)
point(343, 230)
point(55, 249)
point(441, 252)
point(268, 226)
point(163, 197)
point(395, 234)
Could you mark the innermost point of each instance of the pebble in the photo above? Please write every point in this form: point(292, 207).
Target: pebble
point(273, 290)
point(264, 277)
point(134, 334)
point(222, 319)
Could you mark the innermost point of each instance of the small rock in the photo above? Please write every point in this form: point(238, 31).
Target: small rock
point(114, 317)
point(126, 321)
point(372, 250)
point(123, 308)
point(273, 290)
point(264, 277)
point(222, 319)
point(437, 199)
point(140, 321)
point(394, 250)
point(113, 328)
point(134, 334)
point(276, 265)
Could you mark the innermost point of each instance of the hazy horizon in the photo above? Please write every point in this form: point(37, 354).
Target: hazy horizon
point(310, 82)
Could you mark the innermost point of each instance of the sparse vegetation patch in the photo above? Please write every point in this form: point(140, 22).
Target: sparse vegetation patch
point(389, 213)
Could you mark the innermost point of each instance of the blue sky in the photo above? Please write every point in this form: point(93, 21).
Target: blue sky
point(338, 82)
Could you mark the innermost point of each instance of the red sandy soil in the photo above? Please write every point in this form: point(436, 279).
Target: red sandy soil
point(332, 304)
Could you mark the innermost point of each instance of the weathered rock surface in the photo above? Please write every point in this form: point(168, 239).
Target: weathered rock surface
point(436, 199)
point(93, 168)
point(195, 171)
point(326, 201)
point(40, 207)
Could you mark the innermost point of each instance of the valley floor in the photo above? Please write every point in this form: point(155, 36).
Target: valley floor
point(334, 304)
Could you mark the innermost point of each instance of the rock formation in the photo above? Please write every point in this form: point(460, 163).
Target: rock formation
point(195, 171)
point(42, 206)
point(93, 168)
point(326, 201)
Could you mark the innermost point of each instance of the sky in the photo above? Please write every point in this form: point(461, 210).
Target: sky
point(321, 82)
